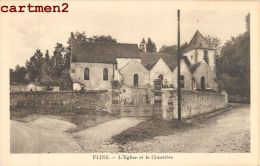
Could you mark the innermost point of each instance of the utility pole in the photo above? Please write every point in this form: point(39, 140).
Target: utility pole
point(178, 73)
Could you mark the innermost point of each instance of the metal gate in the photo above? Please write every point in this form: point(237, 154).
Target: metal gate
point(136, 102)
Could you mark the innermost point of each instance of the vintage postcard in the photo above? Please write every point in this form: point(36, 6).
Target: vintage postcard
point(124, 82)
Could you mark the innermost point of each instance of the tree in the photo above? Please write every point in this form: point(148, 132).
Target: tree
point(215, 43)
point(233, 66)
point(66, 82)
point(168, 49)
point(18, 74)
point(34, 65)
point(172, 49)
point(248, 22)
point(150, 46)
point(142, 45)
point(102, 38)
point(58, 59)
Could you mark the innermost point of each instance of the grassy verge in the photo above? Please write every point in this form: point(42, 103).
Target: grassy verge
point(150, 129)
point(81, 118)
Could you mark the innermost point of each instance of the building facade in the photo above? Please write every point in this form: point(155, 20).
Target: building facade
point(95, 65)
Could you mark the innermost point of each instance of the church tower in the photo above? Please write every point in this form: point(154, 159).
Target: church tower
point(199, 50)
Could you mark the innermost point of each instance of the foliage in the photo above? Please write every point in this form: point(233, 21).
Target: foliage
point(66, 82)
point(150, 46)
point(172, 49)
point(52, 70)
point(34, 65)
point(102, 38)
point(142, 46)
point(233, 66)
point(215, 43)
point(58, 59)
point(18, 75)
point(169, 49)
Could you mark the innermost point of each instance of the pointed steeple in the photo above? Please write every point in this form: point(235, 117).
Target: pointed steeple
point(198, 41)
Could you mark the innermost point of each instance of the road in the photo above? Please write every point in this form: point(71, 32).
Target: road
point(47, 135)
point(225, 132)
point(42, 136)
point(228, 132)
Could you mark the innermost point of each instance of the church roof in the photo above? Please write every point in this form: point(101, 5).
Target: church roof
point(149, 59)
point(198, 41)
point(102, 52)
point(194, 67)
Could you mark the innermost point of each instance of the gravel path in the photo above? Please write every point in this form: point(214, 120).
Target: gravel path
point(44, 135)
point(98, 138)
point(226, 132)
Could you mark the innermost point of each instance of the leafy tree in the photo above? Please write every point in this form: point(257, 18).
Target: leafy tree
point(233, 66)
point(142, 45)
point(102, 38)
point(34, 65)
point(66, 82)
point(215, 43)
point(172, 49)
point(248, 22)
point(47, 56)
point(58, 59)
point(168, 49)
point(18, 74)
point(150, 46)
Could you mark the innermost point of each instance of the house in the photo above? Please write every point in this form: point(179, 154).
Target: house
point(95, 65)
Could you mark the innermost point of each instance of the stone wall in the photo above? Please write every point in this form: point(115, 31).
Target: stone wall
point(63, 101)
point(192, 103)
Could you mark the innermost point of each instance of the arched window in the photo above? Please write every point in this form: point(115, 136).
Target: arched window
point(105, 74)
point(160, 76)
point(206, 58)
point(182, 81)
point(86, 74)
point(202, 82)
point(136, 79)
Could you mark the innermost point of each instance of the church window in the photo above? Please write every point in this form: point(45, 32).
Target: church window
point(182, 81)
point(105, 74)
point(136, 80)
point(206, 58)
point(86, 74)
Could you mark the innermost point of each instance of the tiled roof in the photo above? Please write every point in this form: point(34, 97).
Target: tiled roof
point(102, 52)
point(194, 66)
point(198, 41)
point(149, 59)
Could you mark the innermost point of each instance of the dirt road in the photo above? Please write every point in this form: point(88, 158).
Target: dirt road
point(46, 135)
point(226, 132)
point(43, 135)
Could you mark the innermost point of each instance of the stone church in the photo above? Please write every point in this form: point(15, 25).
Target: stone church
point(95, 65)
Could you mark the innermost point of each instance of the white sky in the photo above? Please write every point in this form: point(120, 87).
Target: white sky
point(125, 22)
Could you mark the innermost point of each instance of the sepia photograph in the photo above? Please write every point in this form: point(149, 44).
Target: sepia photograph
point(125, 82)
point(145, 80)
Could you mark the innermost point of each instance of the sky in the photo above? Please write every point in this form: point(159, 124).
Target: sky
point(126, 22)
